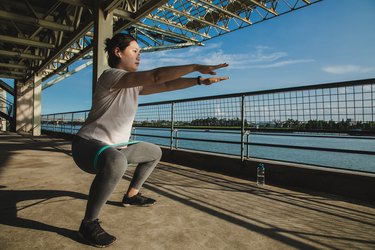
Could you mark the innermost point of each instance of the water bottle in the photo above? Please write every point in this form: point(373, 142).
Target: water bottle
point(260, 174)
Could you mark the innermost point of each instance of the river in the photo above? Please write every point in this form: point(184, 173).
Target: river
point(361, 162)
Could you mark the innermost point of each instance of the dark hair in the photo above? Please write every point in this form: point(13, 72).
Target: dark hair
point(119, 40)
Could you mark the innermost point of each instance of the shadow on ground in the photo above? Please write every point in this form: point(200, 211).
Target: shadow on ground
point(9, 209)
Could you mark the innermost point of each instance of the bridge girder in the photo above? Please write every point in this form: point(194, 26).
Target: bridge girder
point(45, 37)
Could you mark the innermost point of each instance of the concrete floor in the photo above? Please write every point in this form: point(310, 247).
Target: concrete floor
point(43, 196)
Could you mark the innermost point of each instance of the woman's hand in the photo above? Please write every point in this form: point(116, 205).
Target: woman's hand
point(211, 80)
point(210, 69)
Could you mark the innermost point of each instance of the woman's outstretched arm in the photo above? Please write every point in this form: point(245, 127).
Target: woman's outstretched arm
point(180, 83)
point(164, 74)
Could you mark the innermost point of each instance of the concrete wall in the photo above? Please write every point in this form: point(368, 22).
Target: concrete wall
point(37, 107)
point(24, 111)
point(301, 177)
point(29, 107)
point(3, 109)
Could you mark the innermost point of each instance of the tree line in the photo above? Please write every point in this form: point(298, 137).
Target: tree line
point(343, 125)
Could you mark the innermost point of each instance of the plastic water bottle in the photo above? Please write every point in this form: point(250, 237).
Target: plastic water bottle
point(261, 174)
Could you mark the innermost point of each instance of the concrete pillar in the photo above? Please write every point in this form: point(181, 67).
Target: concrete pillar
point(24, 108)
point(3, 108)
point(28, 108)
point(13, 122)
point(103, 29)
point(37, 106)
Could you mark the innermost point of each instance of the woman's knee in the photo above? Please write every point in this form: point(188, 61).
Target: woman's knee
point(154, 151)
point(112, 160)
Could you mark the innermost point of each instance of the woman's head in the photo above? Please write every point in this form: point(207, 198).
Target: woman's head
point(123, 52)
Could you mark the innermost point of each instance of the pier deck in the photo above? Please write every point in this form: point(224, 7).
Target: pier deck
point(43, 196)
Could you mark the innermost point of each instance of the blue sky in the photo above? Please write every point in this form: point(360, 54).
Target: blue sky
point(329, 41)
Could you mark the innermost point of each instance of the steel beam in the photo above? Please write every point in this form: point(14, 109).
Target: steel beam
point(263, 6)
point(82, 54)
point(73, 50)
point(110, 5)
point(170, 46)
point(124, 14)
point(176, 25)
point(26, 42)
point(189, 16)
point(11, 65)
point(145, 9)
point(64, 76)
point(40, 22)
point(164, 32)
point(10, 72)
point(20, 55)
point(141, 26)
point(79, 33)
point(11, 77)
point(219, 9)
point(149, 37)
point(83, 3)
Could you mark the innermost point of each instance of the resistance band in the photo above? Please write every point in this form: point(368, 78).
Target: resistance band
point(109, 146)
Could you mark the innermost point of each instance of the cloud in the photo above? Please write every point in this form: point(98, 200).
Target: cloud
point(218, 112)
point(282, 63)
point(243, 61)
point(346, 69)
point(261, 57)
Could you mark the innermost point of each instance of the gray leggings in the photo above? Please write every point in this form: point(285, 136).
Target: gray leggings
point(112, 164)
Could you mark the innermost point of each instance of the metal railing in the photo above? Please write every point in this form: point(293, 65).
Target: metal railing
point(6, 107)
point(336, 110)
point(6, 114)
point(67, 122)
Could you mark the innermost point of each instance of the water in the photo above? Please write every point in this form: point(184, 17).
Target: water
point(339, 160)
point(320, 158)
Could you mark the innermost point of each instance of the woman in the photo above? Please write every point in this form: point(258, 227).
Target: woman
point(106, 132)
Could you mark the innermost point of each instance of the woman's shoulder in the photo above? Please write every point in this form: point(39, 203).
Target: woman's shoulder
point(112, 74)
point(113, 71)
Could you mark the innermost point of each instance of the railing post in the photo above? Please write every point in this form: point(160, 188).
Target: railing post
point(10, 110)
point(176, 143)
point(62, 123)
point(54, 122)
point(71, 124)
point(172, 127)
point(134, 136)
point(242, 126)
point(247, 144)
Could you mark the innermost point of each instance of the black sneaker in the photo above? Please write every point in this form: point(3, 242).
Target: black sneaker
point(137, 200)
point(93, 233)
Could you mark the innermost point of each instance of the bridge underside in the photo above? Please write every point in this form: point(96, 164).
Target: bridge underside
point(40, 39)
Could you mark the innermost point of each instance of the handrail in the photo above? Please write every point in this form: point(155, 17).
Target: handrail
point(8, 106)
point(349, 151)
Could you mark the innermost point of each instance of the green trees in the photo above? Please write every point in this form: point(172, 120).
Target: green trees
point(289, 124)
